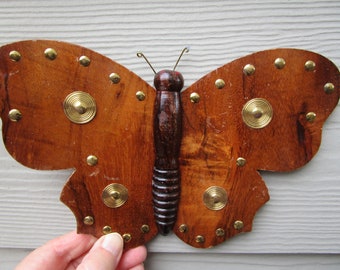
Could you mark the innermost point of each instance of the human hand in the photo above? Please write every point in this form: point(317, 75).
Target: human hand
point(84, 252)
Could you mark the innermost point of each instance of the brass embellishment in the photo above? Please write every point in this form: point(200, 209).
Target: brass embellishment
point(127, 237)
point(80, 107)
point(310, 117)
point(238, 225)
point(194, 97)
point(199, 239)
point(107, 230)
point(14, 115)
point(219, 83)
point(50, 53)
point(84, 61)
point(145, 228)
point(220, 232)
point(249, 69)
point(88, 220)
point(14, 56)
point(114, 77)
point(92, 160)
point(329, 88)
point(310, 65)
point(240, 162)
point(140, 95)
point(215, 198)
point(183, 228)
point(114, 195)
point(279, 63)
point(257, 113)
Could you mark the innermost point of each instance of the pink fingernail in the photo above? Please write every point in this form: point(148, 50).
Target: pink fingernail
point(113, 243)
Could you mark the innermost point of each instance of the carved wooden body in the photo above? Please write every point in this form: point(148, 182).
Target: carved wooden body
point(218, 154)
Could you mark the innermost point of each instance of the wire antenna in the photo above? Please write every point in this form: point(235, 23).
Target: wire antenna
point(140, 54)
point(185, 50)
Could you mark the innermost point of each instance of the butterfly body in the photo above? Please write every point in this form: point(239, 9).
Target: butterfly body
point(147, 161)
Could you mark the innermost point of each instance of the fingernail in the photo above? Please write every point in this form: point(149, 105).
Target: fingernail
point(113, 243)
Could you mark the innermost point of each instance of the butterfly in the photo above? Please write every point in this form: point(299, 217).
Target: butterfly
point(150, 161)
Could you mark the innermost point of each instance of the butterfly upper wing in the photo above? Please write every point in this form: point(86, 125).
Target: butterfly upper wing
point(232, 132)
point(120, 135)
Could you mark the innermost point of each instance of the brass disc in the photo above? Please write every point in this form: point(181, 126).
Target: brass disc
point(257, 113)
point(79, 107)
point(114, 195)
point(215, 198)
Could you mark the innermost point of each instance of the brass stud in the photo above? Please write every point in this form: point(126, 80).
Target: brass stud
point(88, 220)
point(114, 195)
point(257, 113)
point(329, 88)
point(194, 97)
point(249, 69)
point(84, 61)
point(220, 232)
point(114, 77)
point(199, 239)
point(92, 160)
point(279, 63)
point(310, 117)
point(14, 56)
point(145, 228)
point(240, 162)
point(310, 65)
point(50, 53)
point(127, 237)
point(219, 83)
point(107, 229)
point(238, 225)
point(140, 95)
point(215, 198)
point(183, 228)
point(80, 107)
point(14, 115)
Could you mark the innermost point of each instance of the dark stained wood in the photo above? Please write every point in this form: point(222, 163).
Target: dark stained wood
point(129, 140)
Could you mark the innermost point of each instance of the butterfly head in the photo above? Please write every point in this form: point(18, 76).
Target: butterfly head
point(168, 80)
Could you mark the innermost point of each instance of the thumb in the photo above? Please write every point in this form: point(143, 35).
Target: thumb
point(105, 254)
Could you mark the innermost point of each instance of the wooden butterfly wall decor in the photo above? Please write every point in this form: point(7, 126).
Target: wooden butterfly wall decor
point(146, 161)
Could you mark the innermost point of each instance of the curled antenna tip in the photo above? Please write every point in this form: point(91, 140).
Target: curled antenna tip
point(140, 54)
point(185, 50)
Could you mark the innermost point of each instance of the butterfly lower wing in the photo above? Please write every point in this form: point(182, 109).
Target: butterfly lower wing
point(256, 113)
point(41, 90)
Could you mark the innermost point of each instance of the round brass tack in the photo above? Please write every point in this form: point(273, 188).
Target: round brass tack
point(107, 229)
point(220, 232)
point(92, 160)
point(50, 53)
point(249, 69)
point(114, 77)
point(114, 195)
point(310, 65)
point(238, 224)
point(84, 61)
point(310, 117)
point(279, 63)
point(127, 237)
point(215, 198)
point(140, 95)
point(329, 88)
point(88, 220)
point(219, 83)
point(183, 228)
point(14, 115)
point(240, 162)
point(14, 56)
point(145, 228)
point(194, 97)
point(80, 107)
point(257, 113)
point(199, 239)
